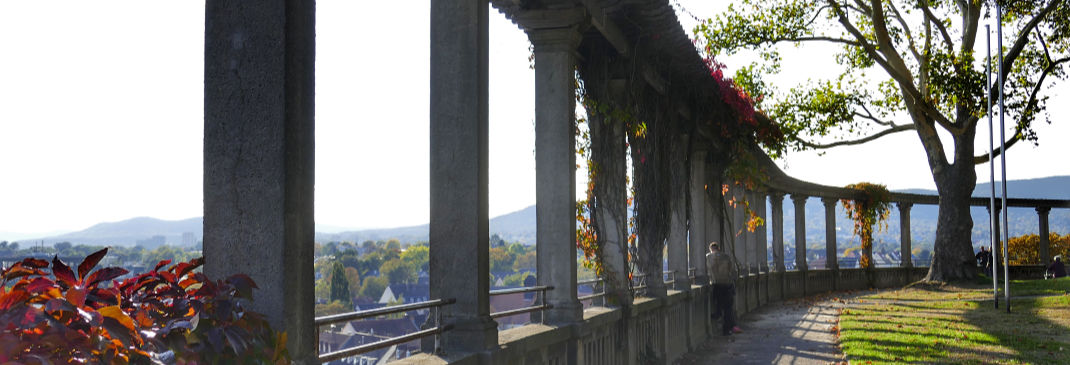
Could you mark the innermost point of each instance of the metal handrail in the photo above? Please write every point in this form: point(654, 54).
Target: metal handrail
point(592, 283)
point(526, 289)
point(351, 316)
point(331, 356)
point(534, 308)
point(589, 281)
point(669, 273)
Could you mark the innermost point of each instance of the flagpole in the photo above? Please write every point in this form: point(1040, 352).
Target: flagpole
point(992, 234)
point(1003, 158)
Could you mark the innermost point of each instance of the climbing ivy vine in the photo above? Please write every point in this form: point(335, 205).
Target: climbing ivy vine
point(866, 212)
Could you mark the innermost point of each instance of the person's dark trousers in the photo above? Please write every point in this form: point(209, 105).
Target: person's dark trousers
point(724, 297)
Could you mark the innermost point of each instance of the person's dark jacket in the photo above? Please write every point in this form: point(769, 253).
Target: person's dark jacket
point(1057, 269)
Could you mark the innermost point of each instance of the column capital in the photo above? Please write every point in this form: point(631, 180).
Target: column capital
point(904, 206)
point(829, 201)
point(564, 39)
point(799, 198)
point(776, 195)
point(1043, 210)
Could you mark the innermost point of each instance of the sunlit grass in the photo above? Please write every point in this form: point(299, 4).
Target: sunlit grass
point(958, 324)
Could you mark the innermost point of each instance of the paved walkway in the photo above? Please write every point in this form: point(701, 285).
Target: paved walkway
point(793, 332)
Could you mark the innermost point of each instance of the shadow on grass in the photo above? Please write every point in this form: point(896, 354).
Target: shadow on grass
point(946, 330)
point(1037, 329)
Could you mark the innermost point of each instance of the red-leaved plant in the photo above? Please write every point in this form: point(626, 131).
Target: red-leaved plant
point(170, 315)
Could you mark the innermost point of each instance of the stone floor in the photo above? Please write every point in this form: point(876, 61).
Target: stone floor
point(799, 331)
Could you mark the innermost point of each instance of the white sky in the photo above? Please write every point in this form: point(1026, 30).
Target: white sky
point(101, 117)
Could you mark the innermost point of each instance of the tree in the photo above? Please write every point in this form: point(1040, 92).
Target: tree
point(418, 256)
point(62, 246)
point(339, 285)
point(934, 83)
point(525, 262)
point(373, 287)
point(500, 260)
point(398, 271)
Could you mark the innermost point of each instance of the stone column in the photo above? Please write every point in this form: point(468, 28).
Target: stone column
point(831, 262)
point(776, 203)
point(259, 158)
point(739, 230)
point(677, 255)
point(555, 170)
point(760, 234)
point(458, 232)
point(697, 241)
point(1042, 215)
point(905, 258)
point(800, 231)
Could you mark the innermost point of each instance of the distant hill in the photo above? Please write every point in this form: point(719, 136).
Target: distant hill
point(129, 232)
point(518, 226)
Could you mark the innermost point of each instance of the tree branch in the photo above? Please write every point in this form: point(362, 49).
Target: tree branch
point(895, 129)
point(924, 5)
point(816, 39)
point(906, 29)
point(1023, 39)
point(1020, 125)
point(869, 115)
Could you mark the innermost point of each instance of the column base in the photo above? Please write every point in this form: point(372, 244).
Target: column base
point(470, 335)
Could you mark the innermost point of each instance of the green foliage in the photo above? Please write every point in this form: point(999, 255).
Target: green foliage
point(373, 287)
point(340, 285)
point(61, 315)
point(500, 260)
point(515, 279)
point(525, 261)
point(924, 48)
point(335, 307)
point(398, 271)
point(418, 256)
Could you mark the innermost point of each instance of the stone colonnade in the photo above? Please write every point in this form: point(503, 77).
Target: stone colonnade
point(259, 177)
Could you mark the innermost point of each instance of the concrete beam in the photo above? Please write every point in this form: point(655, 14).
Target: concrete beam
point(458, 232)
point(259, 157)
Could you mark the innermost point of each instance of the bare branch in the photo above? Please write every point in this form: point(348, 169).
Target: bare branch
point(816, 15)
point(816, 38)
point(924, 4)
point(1023, 39)
point(869, 115)
point(1020, 125)
point(895, 129)
point(1040, 39)
point(906, 29)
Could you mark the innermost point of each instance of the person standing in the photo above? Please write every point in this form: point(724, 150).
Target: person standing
point(723, 274)
point(984, 258)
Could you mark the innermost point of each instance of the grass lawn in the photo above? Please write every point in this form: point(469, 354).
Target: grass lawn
point(958, 324)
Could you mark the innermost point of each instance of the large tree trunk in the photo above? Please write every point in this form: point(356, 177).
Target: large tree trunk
point(953, 258)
